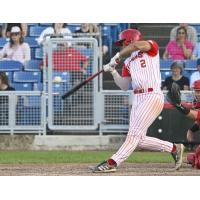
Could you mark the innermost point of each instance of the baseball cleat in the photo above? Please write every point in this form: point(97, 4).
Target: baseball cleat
point(178, 155)
point(103, 167)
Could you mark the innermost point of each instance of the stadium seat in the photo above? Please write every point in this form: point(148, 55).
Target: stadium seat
point(32, 65)
point(27, 77)
point(22, 86)
point(85, 51)
point(64, 75)
point(191, 64)
point(37, 86)
point(46, 24)
point(197, 29)
point(165, 64)
point(73, 28)
point(10, 76)
point(31, 41)
point(10, 65)
point(165, 74)
point(3, 41)
point(35, 31)
point(38, 53)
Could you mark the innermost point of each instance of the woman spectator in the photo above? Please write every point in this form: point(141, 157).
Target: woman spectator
point(57, 29)
point(7, 28)
point(16, 48)
point(4, 86)
point(179, 49)
point(182, 81)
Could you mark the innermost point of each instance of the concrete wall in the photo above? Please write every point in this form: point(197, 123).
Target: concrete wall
point(30, 142)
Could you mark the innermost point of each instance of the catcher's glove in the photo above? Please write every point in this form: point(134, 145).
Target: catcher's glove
point(174, 95)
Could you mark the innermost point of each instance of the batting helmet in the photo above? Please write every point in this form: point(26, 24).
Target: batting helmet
point(127, 36)
point(196, 85)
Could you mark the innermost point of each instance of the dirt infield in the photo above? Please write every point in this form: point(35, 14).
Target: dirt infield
point(126, 169)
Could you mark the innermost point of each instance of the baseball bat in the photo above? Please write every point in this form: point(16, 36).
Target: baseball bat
point(77, 87)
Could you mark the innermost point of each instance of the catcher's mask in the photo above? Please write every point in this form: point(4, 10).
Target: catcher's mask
point(196, 90)
point(127, 36)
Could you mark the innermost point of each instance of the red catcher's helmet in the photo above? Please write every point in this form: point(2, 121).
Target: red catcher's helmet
point(127, 36)
point(196, 85)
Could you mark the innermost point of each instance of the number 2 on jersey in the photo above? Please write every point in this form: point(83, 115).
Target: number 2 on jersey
point(143, 63)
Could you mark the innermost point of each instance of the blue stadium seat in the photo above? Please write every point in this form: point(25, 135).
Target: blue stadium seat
point(46, 24)
point(22, 86)
point(27, 77)
point(10, 76)
point(34, 101)
point(32, 65)
point(187, 73)
point(197, 29)
point(73, 28)
point(165, 64)
point(31, 41)
point(10, 65)
point(3, 41)
point(191, 64)
point(35, 31)
point(38, 53)
point(165, 74)
point(85, 51)
point(106, 31)
point(64, 75)
point(37, 86)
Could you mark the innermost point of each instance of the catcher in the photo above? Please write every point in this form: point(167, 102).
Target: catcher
point(174, 97)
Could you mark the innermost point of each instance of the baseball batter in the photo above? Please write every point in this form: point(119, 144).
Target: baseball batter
point(141, 69)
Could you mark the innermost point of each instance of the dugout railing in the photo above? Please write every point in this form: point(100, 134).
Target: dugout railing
point(22, 112)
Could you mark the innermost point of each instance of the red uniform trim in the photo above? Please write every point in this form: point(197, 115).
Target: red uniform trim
point(125, 71)
point(154, 48)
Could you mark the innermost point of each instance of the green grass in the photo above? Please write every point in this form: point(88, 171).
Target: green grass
point(16, 157)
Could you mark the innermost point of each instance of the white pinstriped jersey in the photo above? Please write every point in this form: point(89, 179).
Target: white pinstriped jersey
point(144, 68)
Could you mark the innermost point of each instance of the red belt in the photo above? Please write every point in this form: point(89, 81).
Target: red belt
point(139, 91)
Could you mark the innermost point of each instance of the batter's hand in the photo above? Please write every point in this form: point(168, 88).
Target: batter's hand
point(108, 68)
point(115, 60)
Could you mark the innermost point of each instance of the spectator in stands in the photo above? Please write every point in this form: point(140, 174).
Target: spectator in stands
point(179, 49)
point(89, 28)
point(4, 82)
point(57, 29)
point(16, 48)
point(70, 59)
point(4, 86)
point(182, 81)
point(196, 52)
point(7, 28)
point(195, 75)
point(191, 32)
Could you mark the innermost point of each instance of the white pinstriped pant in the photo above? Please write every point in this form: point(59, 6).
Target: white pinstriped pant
point(146, 108)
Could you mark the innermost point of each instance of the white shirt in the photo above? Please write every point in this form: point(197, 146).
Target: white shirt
point(194, 77)
point(144, 68)
point(20, 52)
point(50, 30)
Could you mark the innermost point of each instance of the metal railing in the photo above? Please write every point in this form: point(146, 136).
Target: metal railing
point(22, 112)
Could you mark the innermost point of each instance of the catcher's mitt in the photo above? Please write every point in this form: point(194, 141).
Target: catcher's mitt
point(174, 95)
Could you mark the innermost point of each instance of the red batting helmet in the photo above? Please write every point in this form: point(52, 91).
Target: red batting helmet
point(196, 85)
point(127, 36)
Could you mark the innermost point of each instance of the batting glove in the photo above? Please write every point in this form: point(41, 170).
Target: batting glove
point(108, 68)
point(115, 60)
